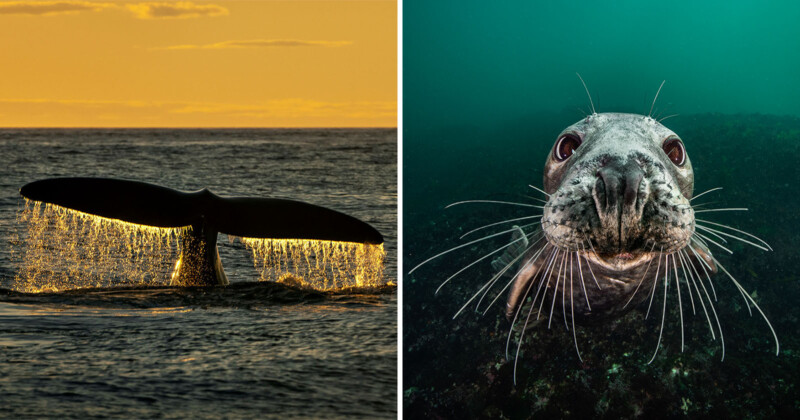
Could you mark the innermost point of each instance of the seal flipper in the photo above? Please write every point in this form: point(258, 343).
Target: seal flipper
point(519, 245)
point(696, 252)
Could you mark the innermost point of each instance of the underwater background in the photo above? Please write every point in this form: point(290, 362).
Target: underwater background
point(249, 350)
point(486, 89)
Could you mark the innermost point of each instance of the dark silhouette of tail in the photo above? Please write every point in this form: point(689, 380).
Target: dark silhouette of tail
point(154, 205)
point(207, 213)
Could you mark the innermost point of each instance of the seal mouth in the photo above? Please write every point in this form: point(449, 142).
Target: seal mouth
point(619, 260)
point(624, 256)
point(618, 257)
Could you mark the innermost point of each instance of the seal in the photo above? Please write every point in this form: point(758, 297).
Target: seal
point(617, 220)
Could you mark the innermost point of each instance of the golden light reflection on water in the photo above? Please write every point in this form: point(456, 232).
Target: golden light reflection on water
point(322, 265)
point(67, 249)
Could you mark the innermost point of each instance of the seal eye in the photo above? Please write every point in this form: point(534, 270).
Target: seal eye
point(673, 147)
point(565, 147)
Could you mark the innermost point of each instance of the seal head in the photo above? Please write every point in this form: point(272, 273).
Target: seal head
point(618, 190)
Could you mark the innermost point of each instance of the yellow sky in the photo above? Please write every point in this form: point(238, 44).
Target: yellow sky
point(198, 64)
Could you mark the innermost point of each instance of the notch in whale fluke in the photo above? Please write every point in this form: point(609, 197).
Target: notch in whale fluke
point(207, 214)
point(154, 205)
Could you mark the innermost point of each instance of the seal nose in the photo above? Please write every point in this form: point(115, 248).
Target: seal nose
point(617, 188)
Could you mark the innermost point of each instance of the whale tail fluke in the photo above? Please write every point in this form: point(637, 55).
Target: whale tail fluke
point(206, 214)
point(153, 205)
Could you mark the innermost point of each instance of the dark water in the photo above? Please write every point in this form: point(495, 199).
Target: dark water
point(487, 88)
point(248, 350)
point(458, 368)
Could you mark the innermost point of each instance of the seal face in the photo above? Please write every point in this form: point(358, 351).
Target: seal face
point(618, 190)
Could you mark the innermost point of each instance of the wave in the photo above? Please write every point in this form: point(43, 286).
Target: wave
point(235, 295)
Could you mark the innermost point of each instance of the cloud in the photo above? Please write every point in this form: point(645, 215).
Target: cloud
point(258, 43)
point(294, 108)
point(89, 103)
point(146, 10)
point(44, 8)
point(176, 10)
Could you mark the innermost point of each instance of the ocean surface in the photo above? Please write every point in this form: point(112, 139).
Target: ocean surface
point(249, 350)
point(487, 88)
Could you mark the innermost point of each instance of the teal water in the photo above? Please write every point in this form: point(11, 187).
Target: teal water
point(487, 88)
point(490, 63)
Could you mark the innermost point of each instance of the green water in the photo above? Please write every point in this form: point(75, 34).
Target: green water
point(487, 88)
point(491, 62)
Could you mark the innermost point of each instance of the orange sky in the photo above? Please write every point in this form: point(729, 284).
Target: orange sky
point(198, 64)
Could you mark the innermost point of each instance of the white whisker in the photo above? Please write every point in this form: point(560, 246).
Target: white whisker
point(713, 309)
point(667, 117)
point(503, 222)
point(656, 97)
point(459, 247)
point(642, 280)
point(705, 192)
point(744, 293)
point(705, 205)
point(587, 93)
point(479, 260)
point(583, 285)
point(588, 264)
point(525, 326)
point(489, 284)
point(686, 261)
point(686, 278)
point(537, 199)
point(555, 291)
point(540, 190)
point(712, 234)
point(714, 210)
point(708, 275)
point(664, 310)
point(678, 287)
point(514, 277)
point(735, 230)
point(572, 309)
point(544, 291)
point(527, 292)
point(710, 230)
point(712, 241)
point(564, 290)
point(655, 282)
point(496, 278)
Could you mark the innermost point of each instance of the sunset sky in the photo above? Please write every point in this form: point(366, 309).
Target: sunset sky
point(198, 64)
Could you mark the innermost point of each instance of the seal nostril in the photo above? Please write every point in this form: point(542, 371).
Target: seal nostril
point(608, 183)
point(599, 195)
point(633, 179)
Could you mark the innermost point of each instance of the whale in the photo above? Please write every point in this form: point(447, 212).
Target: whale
point(207, 214)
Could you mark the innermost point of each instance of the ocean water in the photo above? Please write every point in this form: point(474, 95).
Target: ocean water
point(247, 350)
point(487, 88)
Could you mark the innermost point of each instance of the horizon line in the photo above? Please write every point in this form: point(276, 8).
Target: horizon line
point(195, 127)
